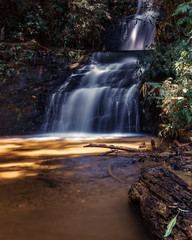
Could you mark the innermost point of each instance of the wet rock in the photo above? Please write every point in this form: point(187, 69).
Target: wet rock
point(182, 162)
point(133, 161)
point(24, 94)
point(176, 166)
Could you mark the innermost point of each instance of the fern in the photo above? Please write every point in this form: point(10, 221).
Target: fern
point(183, 8)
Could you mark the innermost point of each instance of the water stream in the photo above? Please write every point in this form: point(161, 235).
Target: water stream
point(138, 31)
point(103, 96)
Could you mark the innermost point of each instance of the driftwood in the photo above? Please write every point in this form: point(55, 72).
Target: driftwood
point(153, 145)
point(114, 147)
point(158, 196)
point(183, 147)
point(177, 144)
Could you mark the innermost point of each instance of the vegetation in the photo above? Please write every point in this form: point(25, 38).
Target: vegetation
point(15, 57)
point(75, 24)
point(171, 71)
point(71, 25)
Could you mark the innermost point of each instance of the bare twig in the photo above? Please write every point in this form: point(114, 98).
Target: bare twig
point(113, 176)
point(103, 154)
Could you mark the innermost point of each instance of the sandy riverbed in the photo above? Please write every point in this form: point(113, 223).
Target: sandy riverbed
point(56, 189)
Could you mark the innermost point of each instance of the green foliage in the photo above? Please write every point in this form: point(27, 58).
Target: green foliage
point(176, 106)
point(119, 9)
point(34, 25)
point(15, 57)
point(170, 226)
point(172, 223)
point(183, 8)
point(86, 21)
point(19, 114)
point(63, 23)
point(172, 69)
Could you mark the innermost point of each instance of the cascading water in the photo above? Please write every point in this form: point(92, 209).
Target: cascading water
point(103, 95)
point(138, 33)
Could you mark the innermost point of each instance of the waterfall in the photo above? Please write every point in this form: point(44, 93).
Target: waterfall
point(138, 33)
point(102, 96)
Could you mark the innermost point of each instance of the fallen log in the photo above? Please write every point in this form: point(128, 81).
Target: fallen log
point(114, 147)
point(159, 195)
point(177, 144)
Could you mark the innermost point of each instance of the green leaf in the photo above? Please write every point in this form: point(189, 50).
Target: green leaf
point(170, 226)
point(182, 8)
point(183, 210)
point(19, 115)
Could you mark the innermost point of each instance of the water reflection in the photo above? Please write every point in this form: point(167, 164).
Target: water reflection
point(8, 165)
point(33, 147)
point(12, 174)
point(21, 157)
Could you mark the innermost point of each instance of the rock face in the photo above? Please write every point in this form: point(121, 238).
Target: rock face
point(29, 73)
point(24, 91)
point(158, 195)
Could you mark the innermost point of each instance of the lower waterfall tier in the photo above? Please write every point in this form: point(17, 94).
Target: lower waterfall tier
point(103, 96)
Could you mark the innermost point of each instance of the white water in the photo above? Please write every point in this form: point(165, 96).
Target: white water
point(139, 33)
point(102, 97)
point(77, 136)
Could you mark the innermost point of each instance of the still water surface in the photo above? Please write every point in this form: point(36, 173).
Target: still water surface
point(54, 188)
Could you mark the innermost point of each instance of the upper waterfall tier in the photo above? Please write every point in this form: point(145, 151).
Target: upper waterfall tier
point(135, 32)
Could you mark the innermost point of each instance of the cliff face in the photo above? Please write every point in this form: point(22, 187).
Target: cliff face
point(24, 89)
